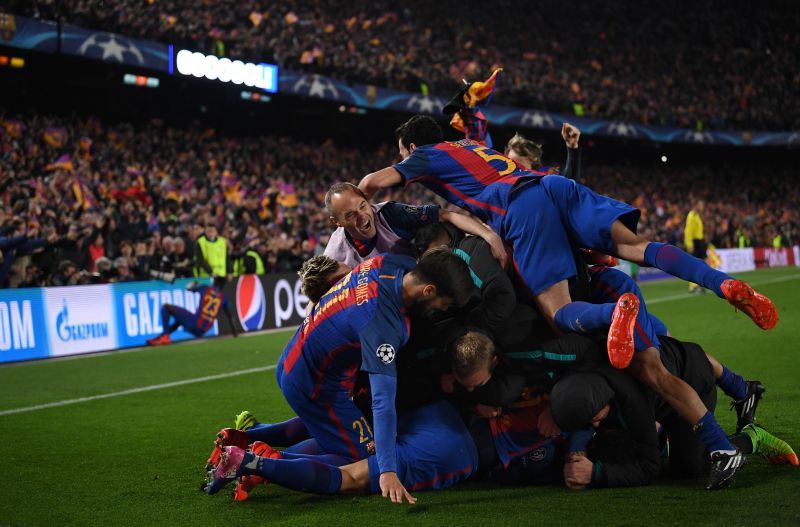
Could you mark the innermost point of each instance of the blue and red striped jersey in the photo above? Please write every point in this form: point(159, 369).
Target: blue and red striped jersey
point(516, 432)
point(468, 174)
point(211, 301)
point(359, 324)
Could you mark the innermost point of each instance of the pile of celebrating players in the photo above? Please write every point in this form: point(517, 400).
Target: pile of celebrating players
point(501, 345)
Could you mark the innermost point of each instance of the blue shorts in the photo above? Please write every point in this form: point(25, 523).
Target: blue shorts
point(658, 326)
point(586, 215)
point(547, 222)
point(434, 449)
point(607, 284)
point(332, 419)
point(187, 319)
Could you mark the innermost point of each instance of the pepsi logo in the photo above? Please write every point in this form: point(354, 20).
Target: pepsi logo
point(250, 304)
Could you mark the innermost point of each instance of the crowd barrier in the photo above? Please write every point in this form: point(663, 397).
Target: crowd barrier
point(37, 323)
point(734, 261)
point(57, 321)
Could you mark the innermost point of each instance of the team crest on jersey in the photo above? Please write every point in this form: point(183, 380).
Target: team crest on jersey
point(386, 353)
point(538, 454)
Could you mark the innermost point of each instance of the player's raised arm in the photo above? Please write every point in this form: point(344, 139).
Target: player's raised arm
point(384, 178)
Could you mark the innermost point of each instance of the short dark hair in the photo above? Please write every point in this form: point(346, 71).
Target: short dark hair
point(448, 272)
point(63, 265)
point(427, 235)
point(420, 130)
point(338, 188)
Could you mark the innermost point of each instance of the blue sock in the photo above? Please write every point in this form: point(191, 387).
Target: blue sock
point(330, 459)
point(711, 434)
point(282, 434)
point(732, 384)
point(678, 263)
point(307, 447)
point(306, 474)
point(583, 317)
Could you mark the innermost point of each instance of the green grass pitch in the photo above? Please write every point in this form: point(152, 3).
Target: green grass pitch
point(137, 458)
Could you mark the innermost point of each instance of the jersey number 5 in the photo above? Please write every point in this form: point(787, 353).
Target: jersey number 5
point(490, 155)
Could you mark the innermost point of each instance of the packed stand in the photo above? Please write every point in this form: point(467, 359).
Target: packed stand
point(85, 201)
point(88, 202)
point(708, 65)
point(753, 208)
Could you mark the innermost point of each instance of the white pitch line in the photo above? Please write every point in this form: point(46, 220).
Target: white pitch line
point(136, 390)
point(681, 296)
point(272, 367)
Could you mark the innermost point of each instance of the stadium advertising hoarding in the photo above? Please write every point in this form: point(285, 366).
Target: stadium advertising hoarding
point(110, 47)
point(57, 321)
point(270, 301)
point(28, 33)
point(368, 96)
point(765, 257)
point(46, 322)
point(732, 261)
point(22, 327)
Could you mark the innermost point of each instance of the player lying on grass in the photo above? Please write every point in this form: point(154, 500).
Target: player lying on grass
point(212, 299)
point(359, 325)
point(545, 219)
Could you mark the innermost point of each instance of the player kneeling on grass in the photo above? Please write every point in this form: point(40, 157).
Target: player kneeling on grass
point(212, 299)
point(433, 450)
point(359, 325)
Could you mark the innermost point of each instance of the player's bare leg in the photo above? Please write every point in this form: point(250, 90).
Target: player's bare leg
point(648, 368)
point(355, 477)
point(551, 300)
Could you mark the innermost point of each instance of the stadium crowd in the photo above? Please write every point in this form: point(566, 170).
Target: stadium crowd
point(629, 61)
point(85, 201)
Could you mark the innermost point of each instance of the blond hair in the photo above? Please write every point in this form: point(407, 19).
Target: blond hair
point(470, 352)
point(526, 148)
point(314, 276)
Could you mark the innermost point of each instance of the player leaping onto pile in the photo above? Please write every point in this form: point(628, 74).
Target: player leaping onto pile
point(544, 218)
